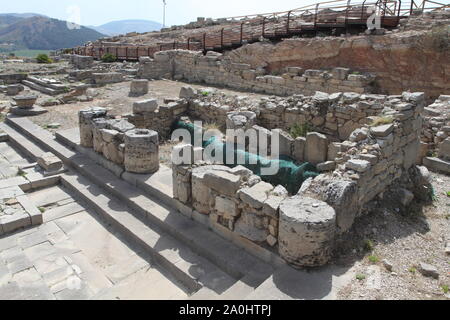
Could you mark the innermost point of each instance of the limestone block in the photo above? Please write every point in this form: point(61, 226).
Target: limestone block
point(251, 226)
point(358, 165)
point(107, 78)
point(226, 207)
point(141, 151)
point(286, 142)
point(333, 149)
point(307, 228)
point(316, 148)
point(299, 149)
point(145, 107)
point(223, 182)
point(49, 162)
point(241, 120)
point(187, 92)
point(256, 195)
point(382, 131)
point(85, 122)
point(139, 87)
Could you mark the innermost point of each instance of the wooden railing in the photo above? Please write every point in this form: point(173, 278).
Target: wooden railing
point(339, 15)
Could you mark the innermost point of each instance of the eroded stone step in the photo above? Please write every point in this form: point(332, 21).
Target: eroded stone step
point(224, 254)
point(21, 142)
point(191, 270)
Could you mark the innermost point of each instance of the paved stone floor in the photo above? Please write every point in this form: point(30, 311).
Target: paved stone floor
point(75, 255)
point(10, 161)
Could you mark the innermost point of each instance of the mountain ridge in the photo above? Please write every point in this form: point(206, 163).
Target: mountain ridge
point(120, 27)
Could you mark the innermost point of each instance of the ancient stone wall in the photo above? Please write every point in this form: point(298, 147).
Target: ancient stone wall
point(416, 59)
point(215, 69)
point(137, 150)
point(373, 156)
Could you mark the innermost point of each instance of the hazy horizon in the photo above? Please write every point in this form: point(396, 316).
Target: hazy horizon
point(95, 13)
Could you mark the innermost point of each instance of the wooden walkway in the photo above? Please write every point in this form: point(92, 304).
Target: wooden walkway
point(331, 18)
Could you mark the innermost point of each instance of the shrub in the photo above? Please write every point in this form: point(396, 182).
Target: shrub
point(43, 58)
point(374, 259)
point(108, 58)
point(445, 288)
point(299, 130)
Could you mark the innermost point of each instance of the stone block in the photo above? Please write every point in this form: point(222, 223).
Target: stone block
point(358, 165)
point(223, 182)
point(299, 149)
point(382, 131)
point(316, 150)
point(226, 207)
point(49, 162)
point(187, 92)
point(145, 107)
point(444, 150)
point(256, 195)
point(139, 87)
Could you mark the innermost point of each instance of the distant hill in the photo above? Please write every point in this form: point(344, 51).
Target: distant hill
point(42, 33)
point(22, 15)
point(126, 26)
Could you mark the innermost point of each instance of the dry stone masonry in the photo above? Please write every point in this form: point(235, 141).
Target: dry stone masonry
point(216, 69)
point(359, 165)
point(137, 150)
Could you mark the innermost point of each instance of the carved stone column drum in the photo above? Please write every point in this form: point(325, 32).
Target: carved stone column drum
point(141, 151)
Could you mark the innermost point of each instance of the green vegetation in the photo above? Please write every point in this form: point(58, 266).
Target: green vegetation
point(412, 270)
point(205, 93)
point(299, 130)
point(43, 58)
point(379, 121)
point(2, 117)
point(42, 209)
point(29, 53)
point(374, 259)
point(369, 245)
point(445, 288)
point(360, 277)
point(22, 173)
point(109, 58)
point(448, 193)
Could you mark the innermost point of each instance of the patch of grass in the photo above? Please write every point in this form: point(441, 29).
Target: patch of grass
point(379, 121)
point(43, 58)
point(445, 288)
point(360, 277)
point(369, 245)
point(21, 173)
point(42, 209)
point(109, 58)
point(205, 93)
point(412, 270)
point(448, 193)
point(299, 130)
point(374, 259)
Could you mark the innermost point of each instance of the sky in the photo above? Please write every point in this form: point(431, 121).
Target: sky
point(98, 12)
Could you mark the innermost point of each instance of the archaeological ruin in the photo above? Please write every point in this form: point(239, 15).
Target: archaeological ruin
point(248, 149)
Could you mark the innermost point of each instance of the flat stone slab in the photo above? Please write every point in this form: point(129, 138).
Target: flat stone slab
point(436, 164)
point(34, 111)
